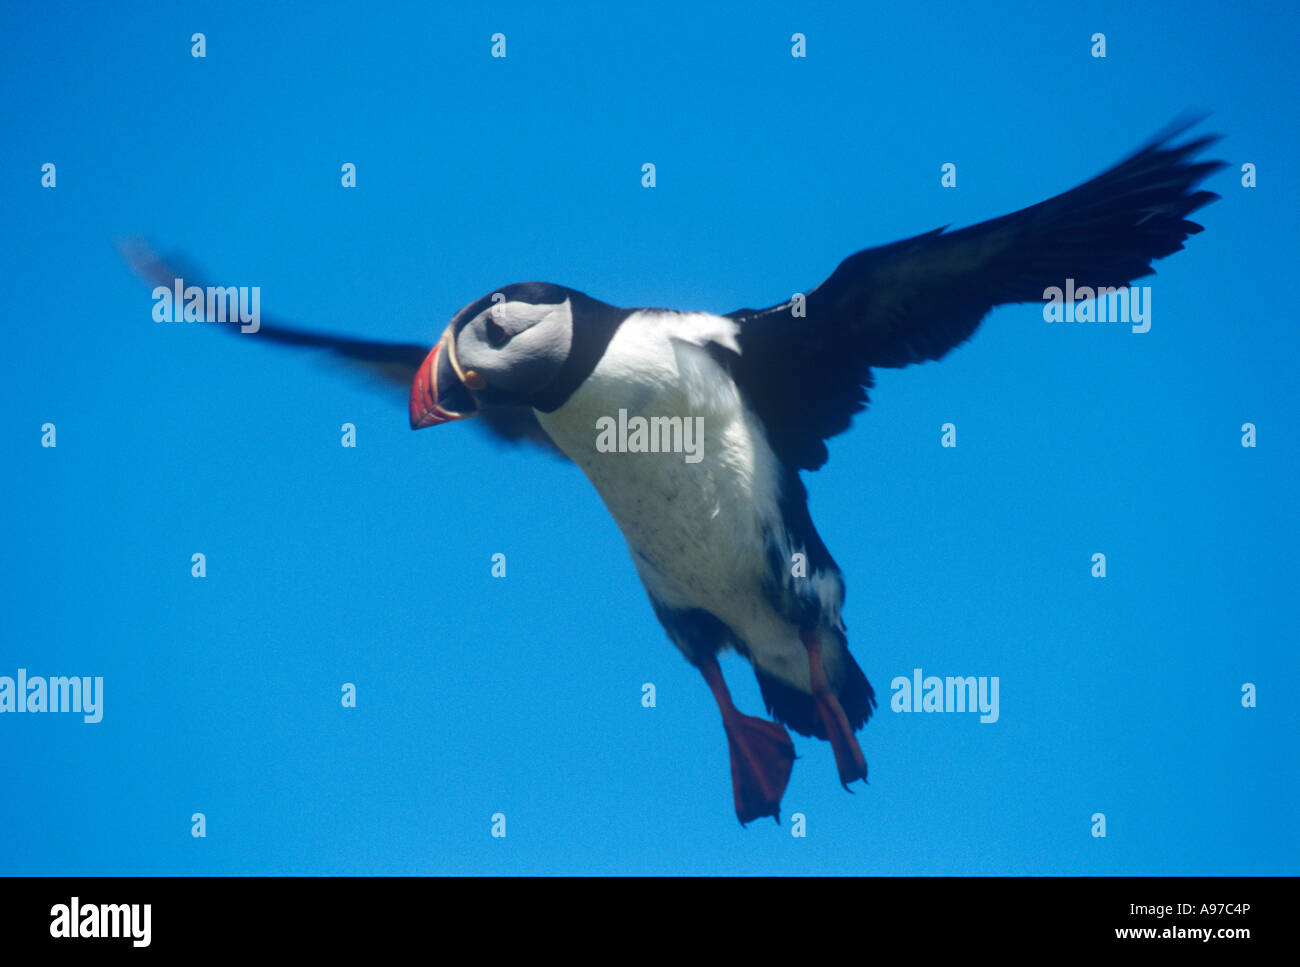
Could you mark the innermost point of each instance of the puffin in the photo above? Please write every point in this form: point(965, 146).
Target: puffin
point(695, 427)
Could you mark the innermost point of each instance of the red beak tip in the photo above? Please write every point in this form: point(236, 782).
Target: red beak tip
point(423, 401)
point(425, 410)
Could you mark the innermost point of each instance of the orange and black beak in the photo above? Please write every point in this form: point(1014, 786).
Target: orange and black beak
point(441, 390)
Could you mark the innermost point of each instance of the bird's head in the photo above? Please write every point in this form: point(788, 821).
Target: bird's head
point(507, 348)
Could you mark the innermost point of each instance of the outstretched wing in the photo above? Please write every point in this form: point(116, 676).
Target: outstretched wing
point(916, 299)
point(389, 365)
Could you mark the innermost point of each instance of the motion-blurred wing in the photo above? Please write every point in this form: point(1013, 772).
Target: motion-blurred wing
point(390, 365)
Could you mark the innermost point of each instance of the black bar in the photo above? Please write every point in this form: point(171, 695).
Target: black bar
point(332, 916)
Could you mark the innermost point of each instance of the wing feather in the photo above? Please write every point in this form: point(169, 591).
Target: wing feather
point(916, 299)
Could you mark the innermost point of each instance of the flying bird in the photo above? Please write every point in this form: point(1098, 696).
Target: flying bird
point(723, 542)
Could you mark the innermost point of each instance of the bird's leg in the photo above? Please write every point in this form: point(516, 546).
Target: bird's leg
point(848, 754)
point(762, 754)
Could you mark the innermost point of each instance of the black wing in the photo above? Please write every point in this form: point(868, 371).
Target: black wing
point(916, 299)
point(390, 365)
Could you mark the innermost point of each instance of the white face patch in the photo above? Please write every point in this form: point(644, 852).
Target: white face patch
point(537, 339)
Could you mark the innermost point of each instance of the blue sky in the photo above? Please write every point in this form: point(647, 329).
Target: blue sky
point(522, 695)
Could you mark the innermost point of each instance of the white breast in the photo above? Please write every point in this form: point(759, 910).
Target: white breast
point(696, 530)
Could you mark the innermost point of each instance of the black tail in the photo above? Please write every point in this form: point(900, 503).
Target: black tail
point(798, 710)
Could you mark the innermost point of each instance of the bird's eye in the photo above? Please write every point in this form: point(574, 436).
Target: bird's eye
point(496, 336)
